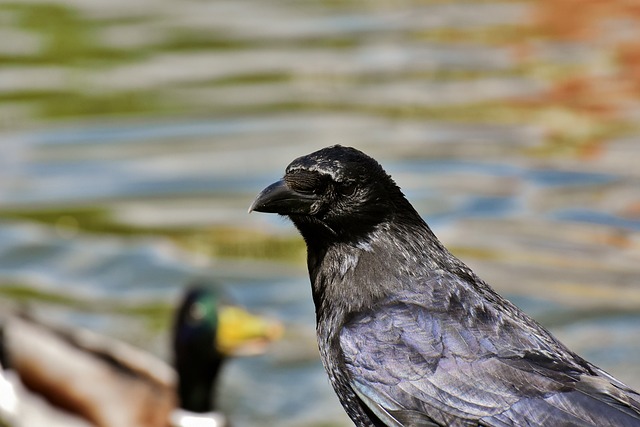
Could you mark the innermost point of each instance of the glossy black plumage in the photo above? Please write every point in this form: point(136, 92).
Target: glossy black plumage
point(408, 334)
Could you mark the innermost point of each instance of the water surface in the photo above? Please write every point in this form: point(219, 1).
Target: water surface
point(128, 168)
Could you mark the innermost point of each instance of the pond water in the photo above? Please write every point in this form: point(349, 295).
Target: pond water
point(105, 215)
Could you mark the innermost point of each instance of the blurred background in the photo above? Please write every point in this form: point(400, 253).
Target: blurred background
point(135, 134)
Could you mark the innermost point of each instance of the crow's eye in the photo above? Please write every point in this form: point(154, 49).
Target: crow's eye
point(305, 181)
point(349, 188)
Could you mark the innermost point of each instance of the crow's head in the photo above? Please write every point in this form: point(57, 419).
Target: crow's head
point(337, 193)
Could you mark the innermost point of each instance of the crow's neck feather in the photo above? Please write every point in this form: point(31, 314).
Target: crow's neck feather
point(389, 251)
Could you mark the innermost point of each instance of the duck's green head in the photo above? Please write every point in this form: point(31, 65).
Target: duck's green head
point(205, 333)
point(196, 358)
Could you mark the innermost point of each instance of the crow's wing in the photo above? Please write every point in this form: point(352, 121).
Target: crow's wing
point(417, 367)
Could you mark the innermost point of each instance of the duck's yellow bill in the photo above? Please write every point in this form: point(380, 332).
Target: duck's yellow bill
point(241, 333)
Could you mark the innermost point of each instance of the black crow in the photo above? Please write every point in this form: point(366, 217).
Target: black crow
point(408, 334)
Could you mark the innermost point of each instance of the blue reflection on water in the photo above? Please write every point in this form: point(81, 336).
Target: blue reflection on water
point(558, 178)
point(119, 133)
point(597, 217)
point(543, 176)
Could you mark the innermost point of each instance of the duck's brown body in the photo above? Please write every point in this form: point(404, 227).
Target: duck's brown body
point(106, 382)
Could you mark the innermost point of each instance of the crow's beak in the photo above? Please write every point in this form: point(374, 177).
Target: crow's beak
point(280, 198)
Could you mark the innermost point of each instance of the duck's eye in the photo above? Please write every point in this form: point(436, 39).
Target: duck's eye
point(197, 312)
point(305, 181)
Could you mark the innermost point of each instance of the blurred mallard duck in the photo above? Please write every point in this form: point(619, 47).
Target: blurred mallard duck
point(86, 379)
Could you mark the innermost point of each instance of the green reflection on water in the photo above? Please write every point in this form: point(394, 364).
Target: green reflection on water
point(214, 241)
point(70, 38)
point(156, 315)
